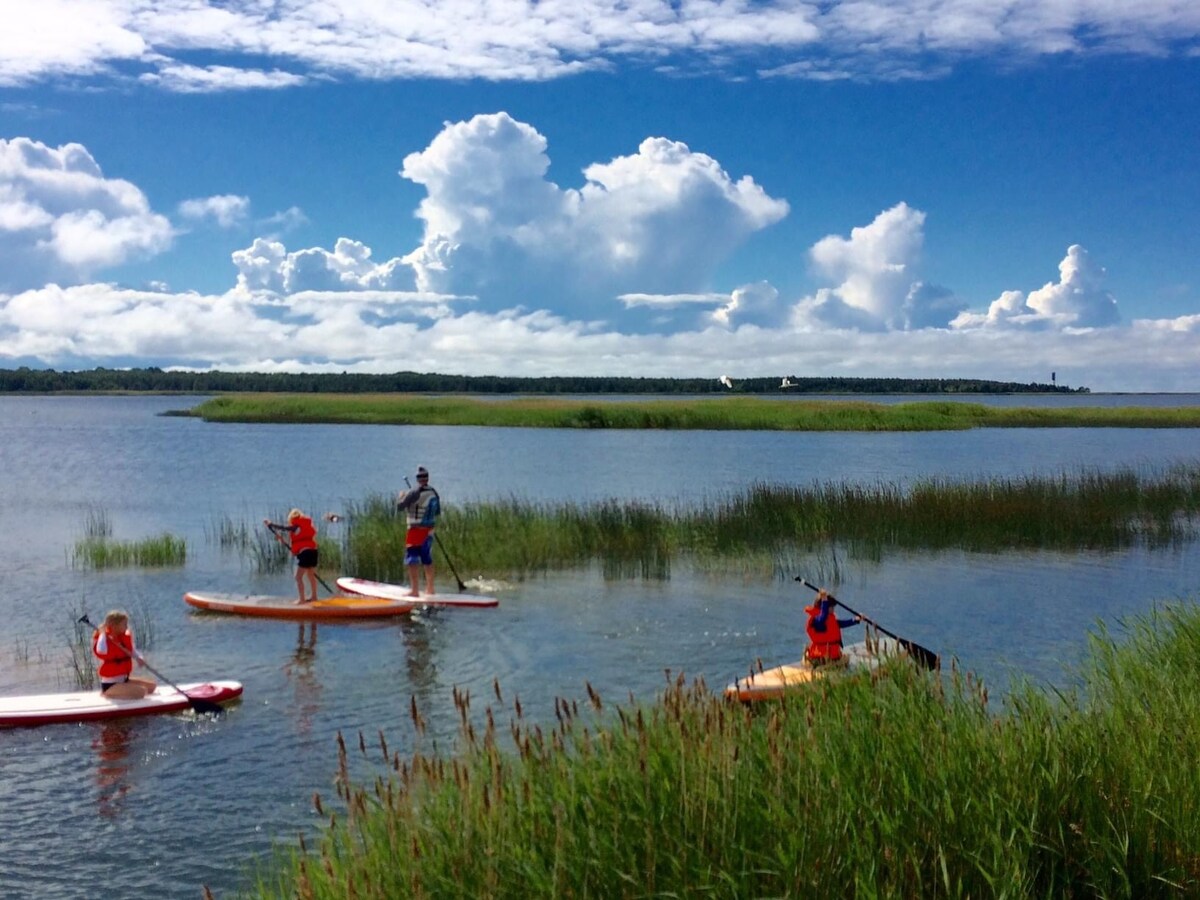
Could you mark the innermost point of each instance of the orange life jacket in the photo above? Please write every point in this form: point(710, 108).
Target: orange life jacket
point(305, 535)
point(115, 661)
point(824, 645)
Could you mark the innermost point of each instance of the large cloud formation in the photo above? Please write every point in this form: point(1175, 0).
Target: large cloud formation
point(216, 45)
point(661, 219)
point(61, 219)
point(517, 275)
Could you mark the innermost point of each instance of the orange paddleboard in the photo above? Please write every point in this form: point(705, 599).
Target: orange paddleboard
point(771, 684)
point(266, 606)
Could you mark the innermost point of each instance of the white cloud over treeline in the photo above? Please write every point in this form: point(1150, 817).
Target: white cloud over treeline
point(272, 46)
point(516, 274)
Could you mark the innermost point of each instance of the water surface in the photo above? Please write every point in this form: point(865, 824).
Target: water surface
point(195, 801)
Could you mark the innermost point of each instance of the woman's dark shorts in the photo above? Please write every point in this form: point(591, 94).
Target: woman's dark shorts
point(307, 559)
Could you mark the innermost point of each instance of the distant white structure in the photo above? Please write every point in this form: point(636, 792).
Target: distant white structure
point(726, 380)
point(786, 383)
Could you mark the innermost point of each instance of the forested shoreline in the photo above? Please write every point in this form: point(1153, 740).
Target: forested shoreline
point(50, 381)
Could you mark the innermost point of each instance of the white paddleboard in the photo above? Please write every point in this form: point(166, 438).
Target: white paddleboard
point(84, 706)
point(366, 588)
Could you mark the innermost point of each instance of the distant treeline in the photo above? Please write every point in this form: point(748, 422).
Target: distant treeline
point(48, 381)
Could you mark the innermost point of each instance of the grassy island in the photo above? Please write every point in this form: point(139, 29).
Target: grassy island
point(725, 413)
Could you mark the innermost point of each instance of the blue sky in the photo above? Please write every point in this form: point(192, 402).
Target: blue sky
point(690, 189)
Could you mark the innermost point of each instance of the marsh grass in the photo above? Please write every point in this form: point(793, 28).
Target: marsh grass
point(228, 534)
point(775, 529)
point(898, 784)
point(106, 553)
point(725, 413)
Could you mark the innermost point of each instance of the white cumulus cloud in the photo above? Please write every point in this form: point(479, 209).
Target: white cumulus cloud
point(61, 219)
point(876, 274)
point(1077, 300)
point(657, 221)
point(267, 265)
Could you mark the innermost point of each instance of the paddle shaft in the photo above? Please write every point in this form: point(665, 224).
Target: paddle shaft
point(200, 706)
point(927, 657)
point(279, 538)
point(438, 540)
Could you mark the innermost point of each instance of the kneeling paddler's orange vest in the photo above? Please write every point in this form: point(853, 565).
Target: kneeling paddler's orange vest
point(824, 645)
point(115, 661)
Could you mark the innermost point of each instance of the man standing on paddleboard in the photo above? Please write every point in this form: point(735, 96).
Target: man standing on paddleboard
point(423, 506)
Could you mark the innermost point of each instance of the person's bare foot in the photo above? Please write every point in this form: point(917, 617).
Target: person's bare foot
point(413, 594)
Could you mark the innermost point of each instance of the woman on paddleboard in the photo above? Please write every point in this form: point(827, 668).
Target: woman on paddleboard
point(112, 644)
point(303, 546)
point(423, 506)
point(825, 631)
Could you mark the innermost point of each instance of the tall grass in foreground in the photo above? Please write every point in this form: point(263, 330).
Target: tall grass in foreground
point(769, 525)
point(893, 785)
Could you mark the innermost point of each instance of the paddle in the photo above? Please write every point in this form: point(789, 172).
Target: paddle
point(438, 540)
point(925, 657)
point(288, 546)
point(200, 706)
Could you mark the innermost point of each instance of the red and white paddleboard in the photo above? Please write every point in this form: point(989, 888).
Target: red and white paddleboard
point(382, 589)
point(86, 706)
point(265, 606)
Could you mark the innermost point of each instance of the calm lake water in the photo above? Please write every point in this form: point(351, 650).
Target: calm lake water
point(169, 803)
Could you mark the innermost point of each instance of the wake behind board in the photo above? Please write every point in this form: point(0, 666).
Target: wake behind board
point(265, 606)
point(771, 684)
point(86, 706)
point(382, 589)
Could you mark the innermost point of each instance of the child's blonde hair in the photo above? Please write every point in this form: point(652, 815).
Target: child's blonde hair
point(115, 617)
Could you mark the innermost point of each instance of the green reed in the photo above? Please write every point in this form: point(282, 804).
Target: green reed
point(725, 413)
point(898, 784)
point(106, 553)
point(774, 528)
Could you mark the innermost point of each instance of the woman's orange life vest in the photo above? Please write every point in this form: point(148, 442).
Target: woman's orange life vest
point(115, 661)
point(305, 535)
point(824, 645)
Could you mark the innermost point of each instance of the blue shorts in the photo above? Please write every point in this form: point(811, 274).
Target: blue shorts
point(420, 554)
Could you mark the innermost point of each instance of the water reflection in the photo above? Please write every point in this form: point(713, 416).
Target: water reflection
point(299, 672)
point(418, 657)
point(112, 743)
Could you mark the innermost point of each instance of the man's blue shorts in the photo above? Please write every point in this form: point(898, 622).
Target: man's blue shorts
point(420, 554)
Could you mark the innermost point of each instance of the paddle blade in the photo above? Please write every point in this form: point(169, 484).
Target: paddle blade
point(204, 707)
point(922, 655)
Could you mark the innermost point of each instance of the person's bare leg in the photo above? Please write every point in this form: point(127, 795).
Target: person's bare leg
point(413, 580)
point(429, 579)
point(133, 689)
point(300, 585)
point(312, 582)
